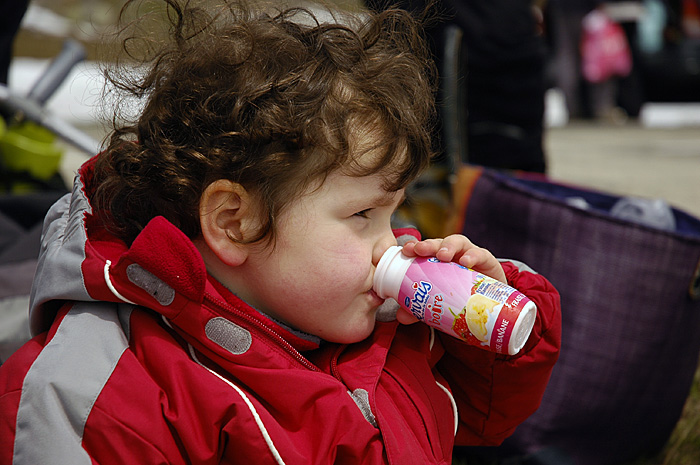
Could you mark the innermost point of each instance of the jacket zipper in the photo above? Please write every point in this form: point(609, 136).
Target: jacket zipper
point(334, 363)
point(264, 329)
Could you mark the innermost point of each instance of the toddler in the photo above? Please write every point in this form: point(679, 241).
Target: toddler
point(205, 296)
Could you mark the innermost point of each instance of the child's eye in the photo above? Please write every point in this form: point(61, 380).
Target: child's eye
point(363, 213)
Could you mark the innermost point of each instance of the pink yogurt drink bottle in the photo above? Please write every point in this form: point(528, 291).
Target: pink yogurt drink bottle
point(457, 300)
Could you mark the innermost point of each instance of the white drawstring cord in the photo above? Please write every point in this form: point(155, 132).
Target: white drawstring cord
point(454, 405)
point(449, 394)
point(111, 287)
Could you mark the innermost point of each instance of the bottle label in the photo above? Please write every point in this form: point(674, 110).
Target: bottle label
point(461, 302)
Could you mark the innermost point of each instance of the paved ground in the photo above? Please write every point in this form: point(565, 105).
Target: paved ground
point(630, 160)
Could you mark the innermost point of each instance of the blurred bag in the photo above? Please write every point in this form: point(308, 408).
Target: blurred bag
point(605, 51)
point(630, 313)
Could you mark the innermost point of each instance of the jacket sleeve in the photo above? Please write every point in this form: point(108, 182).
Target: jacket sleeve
point(494, 393)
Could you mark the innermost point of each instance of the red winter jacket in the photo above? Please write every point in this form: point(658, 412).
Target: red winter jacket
point(141, 357)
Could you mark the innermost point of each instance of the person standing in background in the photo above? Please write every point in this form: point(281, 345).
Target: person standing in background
point(505, 57)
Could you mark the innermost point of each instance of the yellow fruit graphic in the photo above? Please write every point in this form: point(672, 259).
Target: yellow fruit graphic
point(478, 309)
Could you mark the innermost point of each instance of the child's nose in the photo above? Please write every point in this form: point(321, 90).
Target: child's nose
point(381, 246)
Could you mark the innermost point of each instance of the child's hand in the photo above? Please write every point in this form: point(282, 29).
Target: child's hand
point(457, 248)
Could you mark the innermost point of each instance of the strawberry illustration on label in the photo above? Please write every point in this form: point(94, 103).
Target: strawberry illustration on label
point(459, 325)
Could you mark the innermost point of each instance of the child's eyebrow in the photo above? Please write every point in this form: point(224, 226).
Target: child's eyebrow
point(385, 200)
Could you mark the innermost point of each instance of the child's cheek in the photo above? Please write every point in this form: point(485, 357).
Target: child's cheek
point(346, 270)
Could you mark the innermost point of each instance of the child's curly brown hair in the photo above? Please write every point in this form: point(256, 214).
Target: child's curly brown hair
point(274, 102)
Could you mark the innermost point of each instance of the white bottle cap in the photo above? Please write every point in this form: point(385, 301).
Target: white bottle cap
point(390, 272)
point(522, 328)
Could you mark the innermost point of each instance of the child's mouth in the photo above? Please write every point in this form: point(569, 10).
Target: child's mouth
point(375, 297)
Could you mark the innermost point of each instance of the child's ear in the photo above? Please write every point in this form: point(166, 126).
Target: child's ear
point(227, 219)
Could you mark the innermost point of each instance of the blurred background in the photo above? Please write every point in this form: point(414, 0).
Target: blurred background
point(615, 96)
point(637, 133)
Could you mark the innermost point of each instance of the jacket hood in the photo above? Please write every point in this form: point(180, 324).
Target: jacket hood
point(161, 270)
point(80, 261)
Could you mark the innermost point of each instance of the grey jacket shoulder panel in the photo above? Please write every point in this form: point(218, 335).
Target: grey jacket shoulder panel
point(63, 241)
point(63, 383)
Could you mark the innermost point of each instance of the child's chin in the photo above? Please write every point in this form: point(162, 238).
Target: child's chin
point(357, 335)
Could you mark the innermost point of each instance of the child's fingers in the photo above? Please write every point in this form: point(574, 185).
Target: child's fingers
point(484, 262)
point(447, 249)
point(424, 248)
point(408, 248)
point(460, 249)
point(453, 247)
